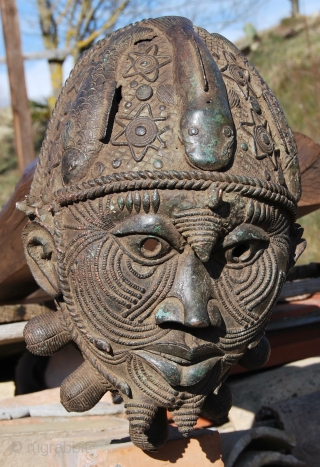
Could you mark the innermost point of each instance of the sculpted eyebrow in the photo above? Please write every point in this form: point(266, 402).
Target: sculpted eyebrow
point(245, 232)
point(274, 220)
point(152, 224)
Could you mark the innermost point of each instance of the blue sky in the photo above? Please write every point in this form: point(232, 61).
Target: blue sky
point(264, 14)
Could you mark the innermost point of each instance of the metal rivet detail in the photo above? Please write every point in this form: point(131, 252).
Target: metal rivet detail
point(158, 164)
point(227, 131)
point(193, 131)
point(140, 130)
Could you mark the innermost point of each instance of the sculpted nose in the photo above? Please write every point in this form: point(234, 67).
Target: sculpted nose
point(188, 299)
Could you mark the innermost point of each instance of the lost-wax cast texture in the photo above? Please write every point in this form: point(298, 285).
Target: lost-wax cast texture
point(162, 222)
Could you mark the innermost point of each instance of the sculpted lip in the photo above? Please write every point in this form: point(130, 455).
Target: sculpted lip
point(185, 352)
point(176, 374)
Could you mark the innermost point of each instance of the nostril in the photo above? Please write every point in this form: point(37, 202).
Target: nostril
point(197, 323)
point(214, 313)
point(170, 310)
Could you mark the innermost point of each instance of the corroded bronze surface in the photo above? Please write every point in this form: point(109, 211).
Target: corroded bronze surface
point(162, 221)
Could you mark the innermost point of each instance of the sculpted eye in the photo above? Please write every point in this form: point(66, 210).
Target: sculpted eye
point(245, 243)
point(146, 246)
point(244, 251)
point(241, 251)
point(151, 247)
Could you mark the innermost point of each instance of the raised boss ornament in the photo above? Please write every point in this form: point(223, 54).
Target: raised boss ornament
point(162, 222)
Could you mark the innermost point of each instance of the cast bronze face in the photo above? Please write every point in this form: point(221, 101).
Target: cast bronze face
point(162, 221)
point(157, 284)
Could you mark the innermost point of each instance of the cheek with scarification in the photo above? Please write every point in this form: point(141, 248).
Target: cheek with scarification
point(116, 295)
point(256, 287)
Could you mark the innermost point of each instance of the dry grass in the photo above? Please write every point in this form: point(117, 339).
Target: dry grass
point(8, 181)
point(9, 173)
point(291, 67)
point(311, 225)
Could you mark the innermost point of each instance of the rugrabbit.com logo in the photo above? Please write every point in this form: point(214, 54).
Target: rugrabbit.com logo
point(45, 448)
point(16, 446)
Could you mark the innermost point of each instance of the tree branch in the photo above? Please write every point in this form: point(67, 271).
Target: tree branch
point(64, 12)
point(47, 24)
point(108, 24)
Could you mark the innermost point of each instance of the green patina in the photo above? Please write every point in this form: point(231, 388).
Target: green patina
point(162, 314)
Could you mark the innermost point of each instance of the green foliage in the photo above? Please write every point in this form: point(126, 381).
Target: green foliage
point(291, 21)
point(40, 115)
point(288, 58)
point(8, 160)
point(9, 173)
point(311, 225)
point(8, 181)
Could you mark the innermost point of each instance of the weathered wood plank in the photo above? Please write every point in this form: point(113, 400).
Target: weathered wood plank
point(304, 271)
point(15, 313)
point(309, 160)
point(300, 287)
point(16, 280)
point(52, 54)
point(11, 333)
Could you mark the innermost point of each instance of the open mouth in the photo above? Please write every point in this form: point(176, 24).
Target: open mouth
point(179, 371)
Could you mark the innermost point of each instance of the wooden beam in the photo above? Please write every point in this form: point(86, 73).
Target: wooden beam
point(19, 100)
point(309, 161)
point(50, 54)
point(11, 333)
point(16, 281)
point(293, 289)
point(18, 313)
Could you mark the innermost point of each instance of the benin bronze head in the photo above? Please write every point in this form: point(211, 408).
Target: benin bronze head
point(162, 222)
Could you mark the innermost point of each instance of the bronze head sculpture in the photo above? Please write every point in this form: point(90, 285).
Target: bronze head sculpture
point(162, 222)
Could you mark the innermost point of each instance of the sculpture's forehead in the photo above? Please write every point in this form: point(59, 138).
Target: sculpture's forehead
point(169, 202)
point(229, 207)
point(204, 219)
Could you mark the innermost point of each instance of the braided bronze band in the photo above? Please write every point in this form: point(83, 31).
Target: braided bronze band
point(193, 180)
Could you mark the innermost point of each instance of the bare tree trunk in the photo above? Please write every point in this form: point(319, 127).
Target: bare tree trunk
point(56, 81)
point(295, 8)
point(19, 100)
point(81, 25)
point(50, 39)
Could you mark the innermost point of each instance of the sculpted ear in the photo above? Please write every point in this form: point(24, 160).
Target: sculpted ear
point(40, 252)
point(298, 244)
